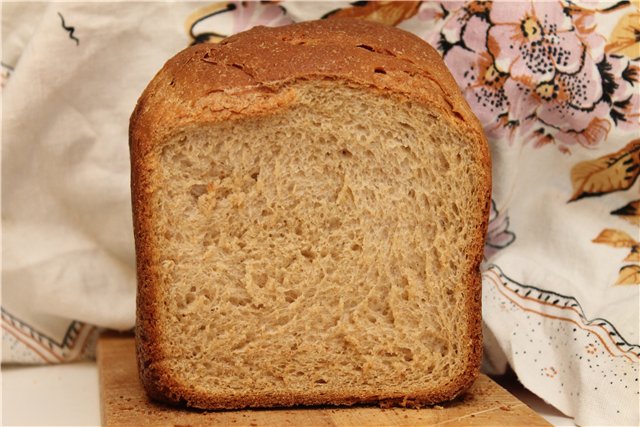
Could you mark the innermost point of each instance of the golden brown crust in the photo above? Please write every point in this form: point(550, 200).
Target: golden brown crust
point(196, 83)
point(247, 75)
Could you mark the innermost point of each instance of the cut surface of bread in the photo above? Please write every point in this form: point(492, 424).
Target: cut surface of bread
point(307, 239)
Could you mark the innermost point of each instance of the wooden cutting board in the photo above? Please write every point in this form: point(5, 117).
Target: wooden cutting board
point(124, 402)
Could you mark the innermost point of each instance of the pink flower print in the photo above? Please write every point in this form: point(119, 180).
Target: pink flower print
point(213, 23)
point(569, 100)
point(466, 56)
point(498, 234)
point(484, 90)
point(568, 108)
point(530, 41)
point(432, 11)
point(461, 17)
point(585, 25)
point(248, 14)
point(537, 72)
point(450, 6)
point(473, 68)
point(595, 132)
point(429, 15)
point(474, 33)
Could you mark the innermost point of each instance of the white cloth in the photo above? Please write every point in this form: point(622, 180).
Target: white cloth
point(552, 309)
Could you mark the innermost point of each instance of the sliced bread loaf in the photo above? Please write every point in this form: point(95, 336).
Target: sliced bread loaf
point(310, 204)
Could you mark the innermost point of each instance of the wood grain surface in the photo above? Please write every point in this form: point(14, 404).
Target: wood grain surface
point(124, 403)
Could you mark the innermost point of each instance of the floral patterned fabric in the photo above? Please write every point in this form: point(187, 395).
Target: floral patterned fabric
point(540, 72)
point(556, 85)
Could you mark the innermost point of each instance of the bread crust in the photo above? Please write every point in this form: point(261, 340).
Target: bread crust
point(248, 75)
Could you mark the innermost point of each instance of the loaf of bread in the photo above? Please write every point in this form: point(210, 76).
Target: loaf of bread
point(310, 204)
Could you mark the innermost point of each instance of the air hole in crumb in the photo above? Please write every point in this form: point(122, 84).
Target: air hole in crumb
point(412, 193)
point(321, 381)
point(379, 70)
point(260, 279)
point(307, 253)
point(334, 223)
point(443, 162)
point(425, 199)
point(290, 296)
point(254, 176)
point(346, 153)
point(407, 353)
point(198, 190)
point(405, 288)
point(282, 320)
point(356, 247)
point(190, 298)
point(366, 47)
point(238, 301)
